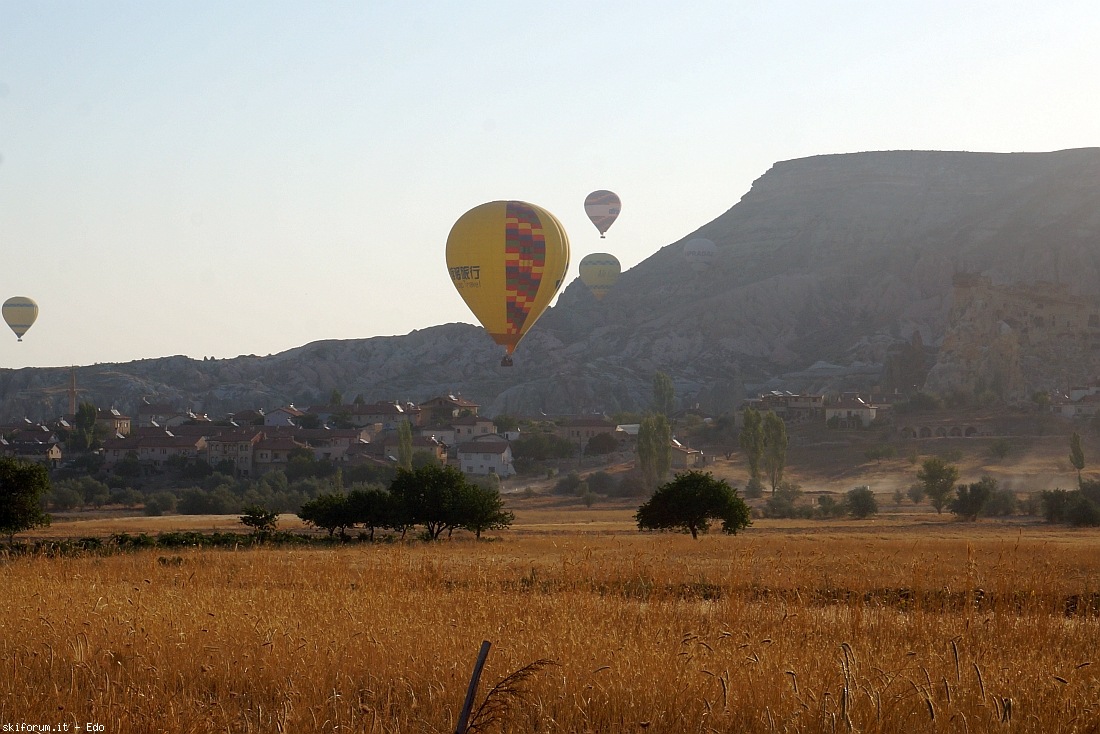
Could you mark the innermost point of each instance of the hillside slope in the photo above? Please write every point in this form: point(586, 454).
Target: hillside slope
point(824, 266)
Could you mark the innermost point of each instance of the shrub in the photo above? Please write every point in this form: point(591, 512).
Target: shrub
point(1002, 503)
point(160, 503)
point(860, 502)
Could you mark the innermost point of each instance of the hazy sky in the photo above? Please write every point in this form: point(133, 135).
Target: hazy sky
point(223, 178)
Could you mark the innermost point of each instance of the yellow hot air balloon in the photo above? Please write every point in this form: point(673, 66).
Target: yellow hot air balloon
point(599, 271)
point(603, 208)
point(19, 314)
point(507, 259)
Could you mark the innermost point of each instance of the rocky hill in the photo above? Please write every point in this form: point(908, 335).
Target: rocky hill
point(828, 268)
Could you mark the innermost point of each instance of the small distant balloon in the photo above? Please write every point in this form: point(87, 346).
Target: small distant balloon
point(700, 252)
point(20, 313)
point(602, 207)
point(507, 259)
point(599, 271)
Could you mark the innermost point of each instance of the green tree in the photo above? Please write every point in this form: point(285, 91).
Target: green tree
point(335, 398)
point(483, 509)
point(328, 511)
point(601, 444)
point(654, 448)
point(259, 519)
point(938, 479)
point(860, 502)
point(432, 496)
point(751, 440)
point(371, 507)
point(84, 428)
point(1076, 455)
point(505, 423)
point(159, 503)
point(915, 493)
point(22, 487)
point(404, 445)
point(775, 448)
point(689, 502)
point(971, 499)
point(664, 394)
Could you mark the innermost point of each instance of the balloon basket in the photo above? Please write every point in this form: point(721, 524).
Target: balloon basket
point(506, 361)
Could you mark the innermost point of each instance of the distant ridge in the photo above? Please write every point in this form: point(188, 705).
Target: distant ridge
point(838, 259)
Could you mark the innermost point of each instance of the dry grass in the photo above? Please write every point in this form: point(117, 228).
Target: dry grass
point(873, 627)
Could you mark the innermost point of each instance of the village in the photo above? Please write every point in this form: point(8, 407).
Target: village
point(448, 428)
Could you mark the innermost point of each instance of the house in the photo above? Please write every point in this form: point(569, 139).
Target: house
point(45, 450)
point(484, 455)
point(441, 433)
point(791, 407)
point(112, 422)
point(273, 452)
point(152, 447)
point(580, 430)
point(472, 426)
point(248, 417)
point(236, 446)
point(284, 416)
point(161, 414)
point(850, 412)
point(389, 445)
point(326, 443)
point(445, 407)
point(684, 458)
point(386, 414)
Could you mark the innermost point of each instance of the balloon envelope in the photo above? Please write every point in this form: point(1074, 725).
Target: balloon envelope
point(507, 259)
point(19, 314)
point(602, 207)
point(599, 271)
point(700, 252)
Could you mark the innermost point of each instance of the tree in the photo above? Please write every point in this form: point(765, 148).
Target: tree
point(335, 398)
point(971, 499)
point(505, 423)
point(938, 479)
point(664, 394)
point(404, 445)
point(22, 487)
point(860, 502)
point(159, 503)
point(432, 496)
point(689, 502)
point(775, 448)
point(915, 493)
point(259, 519)
point(601, 444)
point(484, 510)
point(751, 440)
point(654, 448)
point(371, 507)
point(328, 511)
point(1076, 455)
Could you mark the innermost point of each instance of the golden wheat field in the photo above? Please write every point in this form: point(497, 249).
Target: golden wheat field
point(816, 627)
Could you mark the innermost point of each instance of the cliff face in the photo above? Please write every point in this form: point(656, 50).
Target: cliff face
point(1016, 339)
point(824, 268)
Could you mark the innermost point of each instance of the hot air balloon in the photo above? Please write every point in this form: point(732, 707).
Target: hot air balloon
point(19, 314)
point(507, 259)
point(700, 252)
point(602, 207)
point(599, 271)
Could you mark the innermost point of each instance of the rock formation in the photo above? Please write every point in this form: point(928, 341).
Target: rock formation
point(824, 269)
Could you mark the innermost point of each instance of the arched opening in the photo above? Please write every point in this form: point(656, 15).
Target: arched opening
point(925, 432)
point(955, 432)
point(971, 431)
